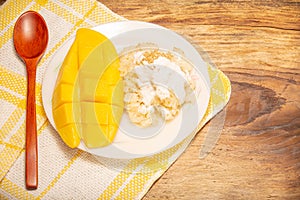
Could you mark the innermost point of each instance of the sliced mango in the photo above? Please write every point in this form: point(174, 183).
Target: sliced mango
point(88, 97)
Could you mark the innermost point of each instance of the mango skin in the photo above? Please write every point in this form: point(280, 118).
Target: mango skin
point(87, 101)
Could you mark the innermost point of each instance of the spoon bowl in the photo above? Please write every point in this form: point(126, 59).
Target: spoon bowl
point(30, 35)
point(30, 41)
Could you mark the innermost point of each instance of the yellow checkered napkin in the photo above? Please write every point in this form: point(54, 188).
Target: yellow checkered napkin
point(66, 173)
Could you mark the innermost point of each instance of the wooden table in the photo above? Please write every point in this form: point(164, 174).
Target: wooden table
point(258, 46)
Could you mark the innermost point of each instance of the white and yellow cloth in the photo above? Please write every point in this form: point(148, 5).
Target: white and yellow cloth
point(66, 173)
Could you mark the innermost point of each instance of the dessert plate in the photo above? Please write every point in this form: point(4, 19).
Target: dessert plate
point(131, 142)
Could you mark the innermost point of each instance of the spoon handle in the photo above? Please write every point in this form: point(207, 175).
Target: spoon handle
point(31, 159)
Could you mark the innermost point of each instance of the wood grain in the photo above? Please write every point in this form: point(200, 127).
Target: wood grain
point(257, 44)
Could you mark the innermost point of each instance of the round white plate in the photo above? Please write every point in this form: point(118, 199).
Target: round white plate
point(127, 145)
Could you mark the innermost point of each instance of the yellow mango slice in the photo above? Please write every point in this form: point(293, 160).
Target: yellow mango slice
point(105, 120)
point(88, 97)
point(63, 94)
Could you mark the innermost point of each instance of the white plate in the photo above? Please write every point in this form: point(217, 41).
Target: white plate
point(131, 33)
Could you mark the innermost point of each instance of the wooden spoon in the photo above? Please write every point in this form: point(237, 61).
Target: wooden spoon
point(30, 40)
